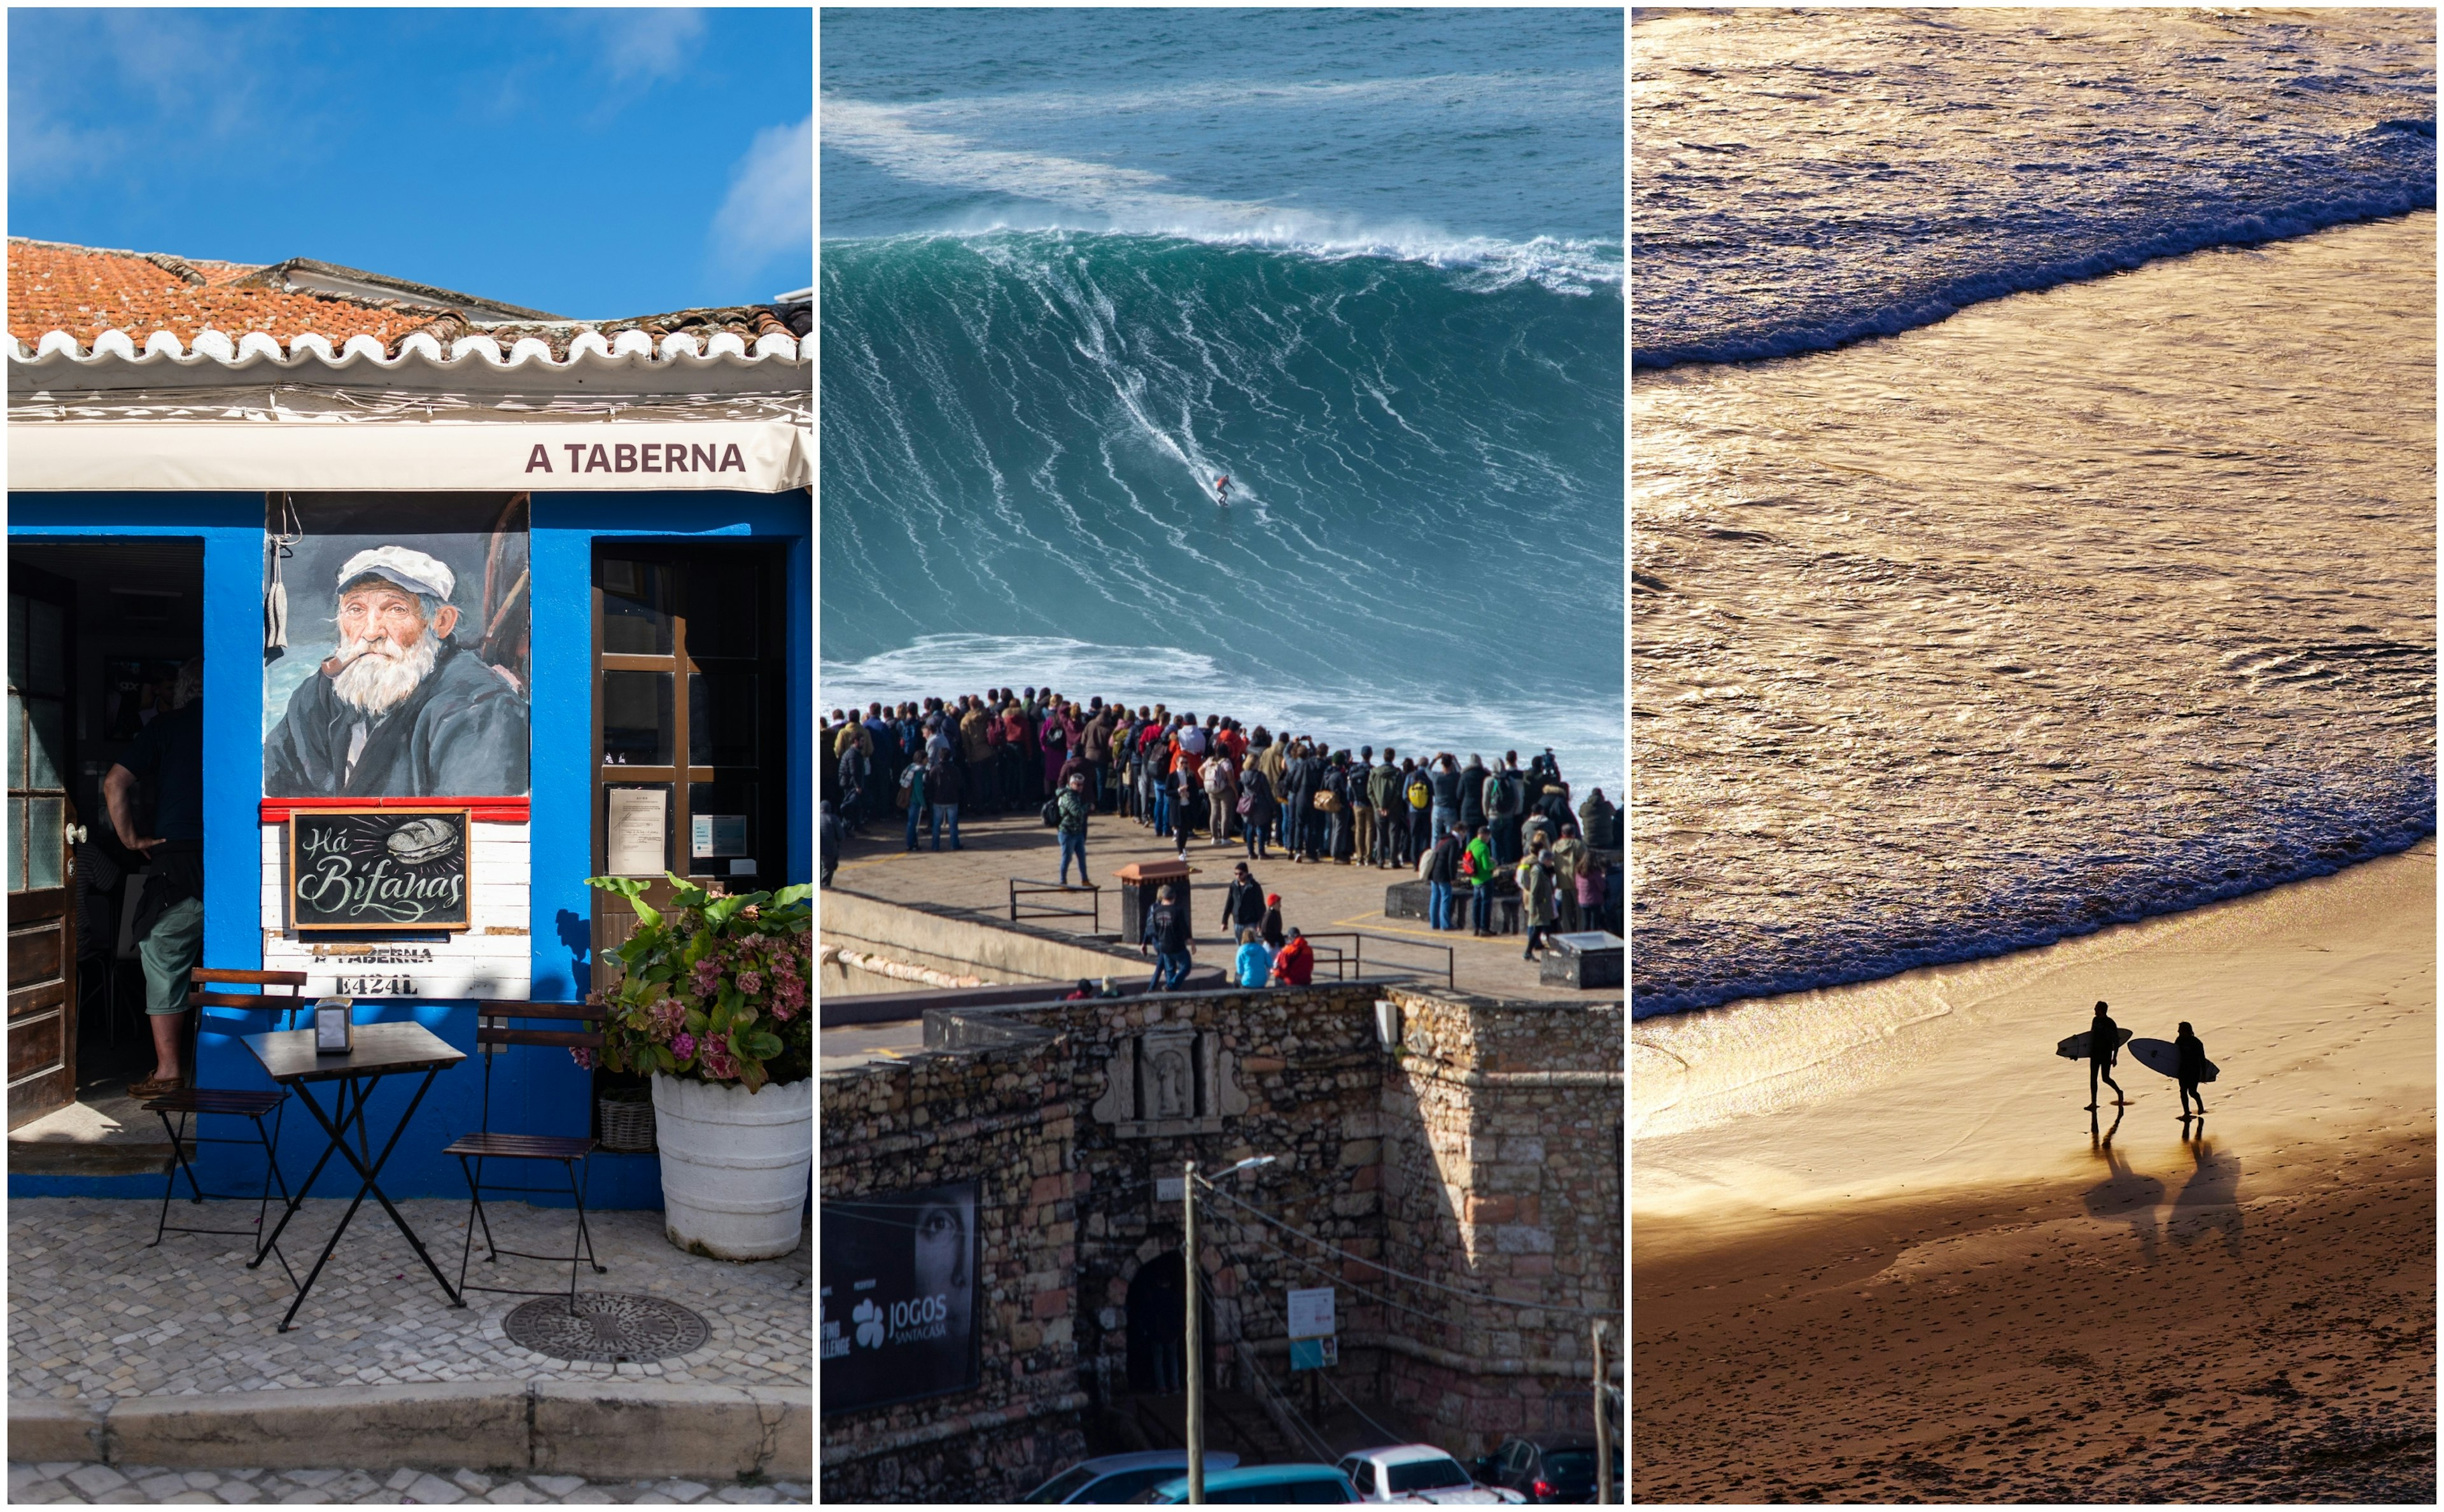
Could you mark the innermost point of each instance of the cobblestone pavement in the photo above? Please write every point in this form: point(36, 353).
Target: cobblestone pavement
point(94, 1314)
point(122, 1484)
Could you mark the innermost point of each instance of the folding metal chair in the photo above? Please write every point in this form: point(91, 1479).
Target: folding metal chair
point(193, 1101)
point(492, 1034)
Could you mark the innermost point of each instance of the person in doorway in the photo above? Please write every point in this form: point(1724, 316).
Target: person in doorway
point(1073, 831)
point(2193, 1066)
point(1169, 937)
point(827, 832)
point(169, 925)
point(2103, 1048)
point(1295, 965)
point(1256, 962)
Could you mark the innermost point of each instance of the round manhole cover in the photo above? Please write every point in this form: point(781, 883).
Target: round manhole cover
point(607, 1327)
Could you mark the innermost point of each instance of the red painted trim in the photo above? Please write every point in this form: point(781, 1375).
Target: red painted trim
point(481, 810)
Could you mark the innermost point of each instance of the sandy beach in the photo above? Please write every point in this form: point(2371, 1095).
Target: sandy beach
point(1880, 1253)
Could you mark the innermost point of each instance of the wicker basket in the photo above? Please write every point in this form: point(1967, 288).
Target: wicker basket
point(627, 1115)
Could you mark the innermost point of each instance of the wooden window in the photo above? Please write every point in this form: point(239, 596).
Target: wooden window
point(690, 732)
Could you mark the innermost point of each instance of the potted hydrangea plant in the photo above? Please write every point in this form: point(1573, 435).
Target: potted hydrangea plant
point(713, 1002)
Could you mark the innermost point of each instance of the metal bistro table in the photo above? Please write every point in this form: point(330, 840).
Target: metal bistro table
point(382, 1050)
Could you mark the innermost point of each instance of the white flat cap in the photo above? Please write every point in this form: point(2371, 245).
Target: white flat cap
point(404, 565)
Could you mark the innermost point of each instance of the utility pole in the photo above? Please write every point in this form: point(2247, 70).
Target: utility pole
point(1189, 1263)
point(1604, 1426)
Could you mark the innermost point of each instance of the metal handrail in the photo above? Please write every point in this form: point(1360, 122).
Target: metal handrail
point(1351, 963)
point(1093, 912)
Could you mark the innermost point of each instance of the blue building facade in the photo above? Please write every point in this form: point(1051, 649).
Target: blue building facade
point(729, 565)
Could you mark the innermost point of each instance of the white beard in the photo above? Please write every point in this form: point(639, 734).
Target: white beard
point(374, 684)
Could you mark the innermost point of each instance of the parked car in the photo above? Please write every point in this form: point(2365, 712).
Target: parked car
point(1116, 1478)
point(1262, 1486)
point(1418, 1472)
point(1548, 1468)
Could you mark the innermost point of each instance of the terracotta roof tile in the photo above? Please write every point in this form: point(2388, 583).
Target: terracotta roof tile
point(85, 291)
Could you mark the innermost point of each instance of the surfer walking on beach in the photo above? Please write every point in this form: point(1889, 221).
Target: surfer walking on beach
point(2193, 1052)
point(2104, 1045)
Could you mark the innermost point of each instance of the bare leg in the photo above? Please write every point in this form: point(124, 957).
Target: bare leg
point(168, 1038)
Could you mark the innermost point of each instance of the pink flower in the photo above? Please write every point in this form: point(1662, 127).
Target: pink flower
point(708, 977)
point(583, 1056)
point(753, 911)
point(750, 982)
point(782, 1009)
point(717, 1063)
point(683, 1046)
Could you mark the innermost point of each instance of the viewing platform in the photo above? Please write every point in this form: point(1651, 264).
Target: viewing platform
point(1007, 865)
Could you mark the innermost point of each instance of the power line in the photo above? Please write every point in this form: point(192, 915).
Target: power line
point(1388, 1435)
point(1327, 1272)
point(1265, 1383)
point(1376, 1264)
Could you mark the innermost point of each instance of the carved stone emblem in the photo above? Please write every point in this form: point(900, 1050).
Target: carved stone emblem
point(1169, 1082)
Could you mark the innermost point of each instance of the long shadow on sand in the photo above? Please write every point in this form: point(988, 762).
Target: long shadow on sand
point(2124, 1196)
point(2210, 1201)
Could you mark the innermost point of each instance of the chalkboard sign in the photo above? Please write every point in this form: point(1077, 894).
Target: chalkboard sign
point(375, 869)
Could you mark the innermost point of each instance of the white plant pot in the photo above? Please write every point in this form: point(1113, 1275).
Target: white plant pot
point(734, 1165)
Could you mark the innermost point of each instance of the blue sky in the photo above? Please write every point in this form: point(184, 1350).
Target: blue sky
point(592, 163)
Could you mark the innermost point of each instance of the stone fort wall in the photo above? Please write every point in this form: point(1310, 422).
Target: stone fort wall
point(1480, 1149)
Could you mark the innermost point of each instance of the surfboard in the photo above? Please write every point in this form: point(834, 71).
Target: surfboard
point(2164, 1058)
point(2075, 1048)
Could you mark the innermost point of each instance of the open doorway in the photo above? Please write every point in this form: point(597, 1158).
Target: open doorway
point(97, 633)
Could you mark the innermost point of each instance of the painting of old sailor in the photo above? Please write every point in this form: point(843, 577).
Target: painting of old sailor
point(408, 703)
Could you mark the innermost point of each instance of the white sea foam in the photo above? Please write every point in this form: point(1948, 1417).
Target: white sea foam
point(1806, 178)
point(1093, 196)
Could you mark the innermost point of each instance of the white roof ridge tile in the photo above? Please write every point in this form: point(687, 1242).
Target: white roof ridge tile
point(680, 348)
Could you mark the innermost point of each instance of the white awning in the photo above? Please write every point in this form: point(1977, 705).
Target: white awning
point(759, 456)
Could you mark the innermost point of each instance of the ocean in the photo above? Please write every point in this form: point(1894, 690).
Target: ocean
point(1077, 264)
point(2033, 502)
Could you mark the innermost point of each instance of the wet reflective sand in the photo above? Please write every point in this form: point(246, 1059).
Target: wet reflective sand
point(2080, 606)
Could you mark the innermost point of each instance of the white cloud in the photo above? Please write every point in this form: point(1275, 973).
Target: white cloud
point(196, 74)
point(644, 46)
point(770, 211)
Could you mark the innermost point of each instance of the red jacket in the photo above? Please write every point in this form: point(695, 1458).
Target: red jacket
point(1295, 965)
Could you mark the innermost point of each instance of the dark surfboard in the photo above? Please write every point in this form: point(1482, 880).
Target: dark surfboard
point(2164, 1058)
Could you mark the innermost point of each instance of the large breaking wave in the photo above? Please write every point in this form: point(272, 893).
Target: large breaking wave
point(1020, 431)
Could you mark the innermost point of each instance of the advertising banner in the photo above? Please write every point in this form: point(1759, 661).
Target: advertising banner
point(897, 1305)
